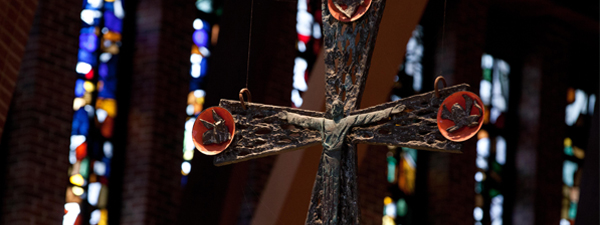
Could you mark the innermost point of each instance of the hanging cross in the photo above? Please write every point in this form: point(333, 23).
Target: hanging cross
point(263, 130)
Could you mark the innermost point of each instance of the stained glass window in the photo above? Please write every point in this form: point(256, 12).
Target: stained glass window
point(206, 31)
point(402, 162)
point(491, 145)
point(95, 110)
point(578, 115)
point(308, 28)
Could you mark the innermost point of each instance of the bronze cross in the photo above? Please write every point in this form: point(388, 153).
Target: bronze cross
point(263, 130)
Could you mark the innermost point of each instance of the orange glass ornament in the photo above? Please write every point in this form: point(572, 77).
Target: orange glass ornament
point(199, 129)
point(465, 132)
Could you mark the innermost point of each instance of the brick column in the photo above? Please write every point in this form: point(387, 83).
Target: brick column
point(539, 158)
point(160, 83)
point(36, 142)
point(16, 18)
point(450, 183)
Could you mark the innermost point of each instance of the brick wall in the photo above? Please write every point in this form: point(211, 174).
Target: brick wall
point(373, 185)
point(36, 142)
point(159, 86)
point(16, 18)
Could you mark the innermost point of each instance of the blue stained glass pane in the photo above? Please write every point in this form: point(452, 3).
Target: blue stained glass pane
point(183, 180)
point(103, 71)
point(81, 123)
point(88, 57)
point(200, 38)
point(108, 70)
point(107, 164)
point(196, 83)
point(206, 25)
point(79, 90)
point(112, 22)
point(109, 89)
point(88, 30)
point(109, 6)
point(88, 42)
point(203, 67)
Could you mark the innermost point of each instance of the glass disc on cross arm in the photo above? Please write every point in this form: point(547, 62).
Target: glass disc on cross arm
point(210, 136)
point(464, 132)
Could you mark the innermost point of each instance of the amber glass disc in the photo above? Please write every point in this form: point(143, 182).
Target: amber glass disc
point(337, 14)
point(465, 132)
point(199, 129)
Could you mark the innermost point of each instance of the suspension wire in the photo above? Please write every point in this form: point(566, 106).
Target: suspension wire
point(249, 42)
point(443, 33)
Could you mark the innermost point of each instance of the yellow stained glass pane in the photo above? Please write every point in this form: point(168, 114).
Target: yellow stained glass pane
point(71, 197)
point(482, 134)
point(78, 191)
point(103, 197)
point(112, 49)
point(112, 36)
point(387, 200)
point(188, 155)
point(570, 95)
point(578, 152)
point(103, 217)
point(77, 179)
point(197, 109)
point(564, 212)
point(478, 200)
point(406, 181)
point(109, 105)
point(191, 99)
point(87, 97)
point(78, 103)
point(200, 100)
point(195, 49)
point(88, 86)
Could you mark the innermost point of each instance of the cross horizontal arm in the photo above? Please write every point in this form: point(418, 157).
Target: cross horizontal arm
point(260, 131)
point(415, 127)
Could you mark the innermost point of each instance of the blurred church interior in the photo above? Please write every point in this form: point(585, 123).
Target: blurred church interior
point(98, 98)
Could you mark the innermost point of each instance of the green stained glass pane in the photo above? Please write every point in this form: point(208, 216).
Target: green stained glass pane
point(85, 168)
point(496, 167)
point(487, 74)
point(204, 6)
point(478, 187)
point(219, 11)
point(572, 210)
point(402, 207)
point(493, 193)
point(392, 162)
point(569, 150)
point(411, 152)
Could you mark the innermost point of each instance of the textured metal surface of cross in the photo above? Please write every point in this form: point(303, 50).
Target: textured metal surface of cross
point(263, 130)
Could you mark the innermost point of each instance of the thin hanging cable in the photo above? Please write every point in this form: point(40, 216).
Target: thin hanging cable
point(249, 42)
point(443, 33)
